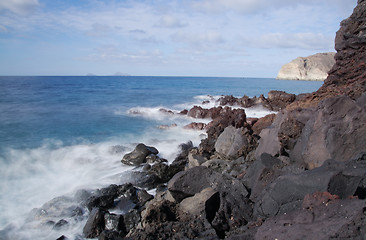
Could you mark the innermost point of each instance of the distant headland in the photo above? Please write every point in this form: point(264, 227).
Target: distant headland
point(311, 68)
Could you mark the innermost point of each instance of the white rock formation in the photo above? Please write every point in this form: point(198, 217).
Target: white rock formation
point(312, 68)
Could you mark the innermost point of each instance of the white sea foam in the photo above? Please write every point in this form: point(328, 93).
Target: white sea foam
point(257, 112)
point(31, 177)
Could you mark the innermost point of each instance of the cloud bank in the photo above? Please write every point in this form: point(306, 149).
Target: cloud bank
point(193, 37)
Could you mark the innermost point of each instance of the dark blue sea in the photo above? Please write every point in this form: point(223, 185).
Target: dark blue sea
point(62, 134)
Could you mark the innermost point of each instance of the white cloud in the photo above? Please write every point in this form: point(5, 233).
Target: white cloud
point(115, 53)
point(199, 39)
point(19, 6)
point(3, 29)
point(255, 6)
point(308, 41)
point(99, 29)
point(168, 21)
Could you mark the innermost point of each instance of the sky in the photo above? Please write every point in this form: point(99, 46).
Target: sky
point(222, 38)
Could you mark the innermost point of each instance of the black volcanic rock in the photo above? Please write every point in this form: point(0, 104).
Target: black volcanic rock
point(138, 155)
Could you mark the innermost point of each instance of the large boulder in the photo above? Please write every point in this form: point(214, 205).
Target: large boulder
point(279, 99)
point(234, 142)
point(286, 193)
point(234, 208)
point(320, 218)
point(261, 173)
point(95, 224)
point(336, 130)
point(138, 155)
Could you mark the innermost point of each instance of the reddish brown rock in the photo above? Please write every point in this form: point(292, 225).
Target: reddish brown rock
point(195, 126)
point(279, 99)
point(263, 123)
point(252, 121)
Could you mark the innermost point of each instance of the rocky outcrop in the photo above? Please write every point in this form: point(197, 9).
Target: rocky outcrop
point(299, 174)
point(311, 68)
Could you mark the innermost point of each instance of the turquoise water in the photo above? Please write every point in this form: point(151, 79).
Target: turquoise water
point(60, 134)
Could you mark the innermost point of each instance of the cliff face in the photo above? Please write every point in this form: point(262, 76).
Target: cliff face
point(312, 68)
point(348, 75)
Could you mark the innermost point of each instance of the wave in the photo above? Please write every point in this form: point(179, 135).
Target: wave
point(31, 177)
point(162, 113)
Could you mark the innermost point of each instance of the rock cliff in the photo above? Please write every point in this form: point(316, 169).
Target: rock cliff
point(312, 68)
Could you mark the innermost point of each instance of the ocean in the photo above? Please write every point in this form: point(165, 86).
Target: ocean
point(62, 134)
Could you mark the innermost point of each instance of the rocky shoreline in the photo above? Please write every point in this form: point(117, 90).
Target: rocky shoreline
point(298, 174)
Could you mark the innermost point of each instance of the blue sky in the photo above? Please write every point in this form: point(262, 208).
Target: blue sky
point(234, 38)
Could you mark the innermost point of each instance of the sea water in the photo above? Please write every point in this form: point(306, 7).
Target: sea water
point(62, 134)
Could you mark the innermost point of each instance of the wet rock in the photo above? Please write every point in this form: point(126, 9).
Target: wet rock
point(138, 155)
point(114, 222)
point(181, 160)
point(131, 219)
point(60, 224)
point(195, 126)
point(117, 149)
point(184, 112)
point(160, 211)
point(166, 111)
point(164, 127)
point(145, 180)
point(252, 121)
point(151, 159)
point(110, 235)
point(227, 100)
point(95, 224)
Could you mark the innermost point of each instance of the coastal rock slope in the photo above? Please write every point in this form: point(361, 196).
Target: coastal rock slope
point(299, 174)
point(312, 68)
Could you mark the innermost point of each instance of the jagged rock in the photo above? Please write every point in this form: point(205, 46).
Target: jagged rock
point(138, 155)
point(336, 130)
point(263, 123)
point(287, 191)
point(206, 202)
point(195, 126)
point(228, 100)
point(314, 67)
point(110, 235)
point(329, 219)
point(175, 230)
point(95, 224)
point(229, 117)
point(114, 222)
point(233, 142)
point(160, 211)
point(279, 99)
point(234, 206)
point(261, 173)
point(195, 159)
point(131, 219)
